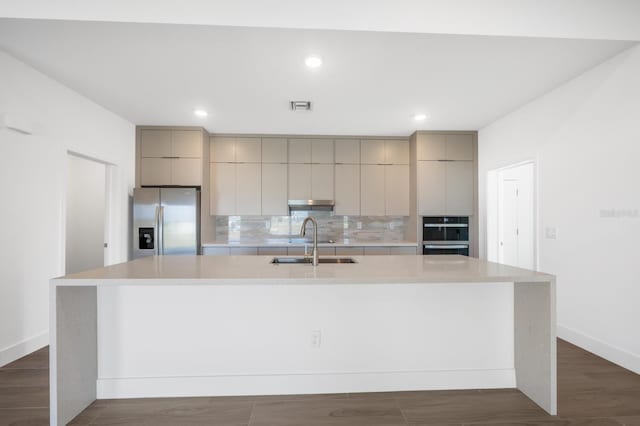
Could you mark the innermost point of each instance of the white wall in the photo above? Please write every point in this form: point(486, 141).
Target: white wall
point(585, 138)
point(32, 175)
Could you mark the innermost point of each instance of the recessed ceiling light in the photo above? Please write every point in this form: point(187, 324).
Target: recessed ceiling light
point(313, 61)
point(420, 117)
point(200, 113)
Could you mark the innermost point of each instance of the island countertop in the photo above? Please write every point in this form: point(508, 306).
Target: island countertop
point(224, 270)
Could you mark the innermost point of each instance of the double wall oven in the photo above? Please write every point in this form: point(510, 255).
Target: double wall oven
point(445, 235)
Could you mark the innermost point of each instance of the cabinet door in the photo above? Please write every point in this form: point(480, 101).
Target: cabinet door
point(215, 251)
point(372, 151)
point(300, 151)
point(459, 147)
point(299, 181)
point(243, 251)
point(347, 190)
point(376, 250)
point(274, 150)
point(186, 143)
point(396, 190)
point(272, 251)
point(403, 251)
point(431, 188)
point(186, 171)
point(372, 190)
point(322, 151)
point(222, 189)
point(326, 251)
point(248, 189)
point(349, 251)
point(155, 171)
point(155, 143)
point(396, 152)
point(322, 181)
point(347, 151)
point(274, 190)
point(459, 188)
point(248, 150)
point(222, 150)
point(431, 147)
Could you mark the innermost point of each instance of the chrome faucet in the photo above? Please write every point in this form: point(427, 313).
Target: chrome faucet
point(303, 232)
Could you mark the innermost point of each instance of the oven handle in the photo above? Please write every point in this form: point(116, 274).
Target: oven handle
point(445, 246)
point(446, 225)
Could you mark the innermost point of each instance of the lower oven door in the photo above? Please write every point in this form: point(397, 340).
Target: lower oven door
point(462, 249)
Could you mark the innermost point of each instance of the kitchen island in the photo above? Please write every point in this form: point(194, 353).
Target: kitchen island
point(239, 325)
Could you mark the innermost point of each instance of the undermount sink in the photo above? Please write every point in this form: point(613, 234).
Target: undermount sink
point(308, 260)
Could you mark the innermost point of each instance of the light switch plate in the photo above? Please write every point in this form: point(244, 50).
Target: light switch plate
point(551, 233)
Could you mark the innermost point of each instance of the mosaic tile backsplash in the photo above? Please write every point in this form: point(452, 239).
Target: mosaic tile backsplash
point(337, 228)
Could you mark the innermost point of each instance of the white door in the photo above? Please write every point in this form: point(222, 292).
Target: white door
point(85, 214)
point(515, 217)
point(509, 222)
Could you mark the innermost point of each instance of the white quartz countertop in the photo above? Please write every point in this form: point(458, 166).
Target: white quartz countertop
point(255, 270)
point(299, 243)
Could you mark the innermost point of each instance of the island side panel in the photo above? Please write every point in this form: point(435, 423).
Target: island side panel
point(535, 342)
point(73, 364)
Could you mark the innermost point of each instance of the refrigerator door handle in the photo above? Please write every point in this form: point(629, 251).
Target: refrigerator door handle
point(161, 223)
point(156, 224)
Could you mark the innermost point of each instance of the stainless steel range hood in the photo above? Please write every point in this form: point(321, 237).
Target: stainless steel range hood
point(304, 205)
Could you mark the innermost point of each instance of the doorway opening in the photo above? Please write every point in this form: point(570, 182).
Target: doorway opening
point(86, 210)
point(511, 216)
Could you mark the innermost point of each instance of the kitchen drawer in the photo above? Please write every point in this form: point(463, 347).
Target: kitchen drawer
point(272, 251)
point(295, 251)
point(215, 251)
point(243, 251)
point(377, 250)
point(325, 251)
point(349, 251)
point(403, 251)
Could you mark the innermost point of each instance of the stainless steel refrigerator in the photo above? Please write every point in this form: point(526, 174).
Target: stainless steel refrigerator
point(166, 221)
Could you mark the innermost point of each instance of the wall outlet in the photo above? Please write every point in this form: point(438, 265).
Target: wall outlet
point(550, 233)
point(359, 225)
point(316, 338)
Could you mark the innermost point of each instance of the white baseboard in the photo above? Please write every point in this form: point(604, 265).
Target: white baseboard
point(611, 353)
point(283, 384)
point(23, 348)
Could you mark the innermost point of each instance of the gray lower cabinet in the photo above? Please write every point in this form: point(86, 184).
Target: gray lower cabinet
point(377, 250)
point(397, 251)
point(243, 251)
point(272, 251)
point(349, 251)
point(300, 251)
point(215, 251)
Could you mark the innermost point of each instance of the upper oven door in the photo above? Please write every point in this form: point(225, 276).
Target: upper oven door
point(433, 229)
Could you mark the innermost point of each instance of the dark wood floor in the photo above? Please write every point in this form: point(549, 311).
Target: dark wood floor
point(591, 391)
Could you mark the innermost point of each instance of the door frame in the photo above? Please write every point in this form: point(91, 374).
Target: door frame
point(494, 187)
point(109, 206)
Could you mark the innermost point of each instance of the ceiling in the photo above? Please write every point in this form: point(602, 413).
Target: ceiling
point(370, 82)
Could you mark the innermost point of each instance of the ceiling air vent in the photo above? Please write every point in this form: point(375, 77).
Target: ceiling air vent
point(300, 105)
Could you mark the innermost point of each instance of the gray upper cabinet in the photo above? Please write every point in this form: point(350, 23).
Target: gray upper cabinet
point(377, 151)
point(170, 157)
point(446, 173)
point(322, 151)
point(274, 150)
point(300, 151)
point(459, 147)
point(155, 143)
point(235, 150)
point(347, 151)
point(446, 146)
point(372, 151)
